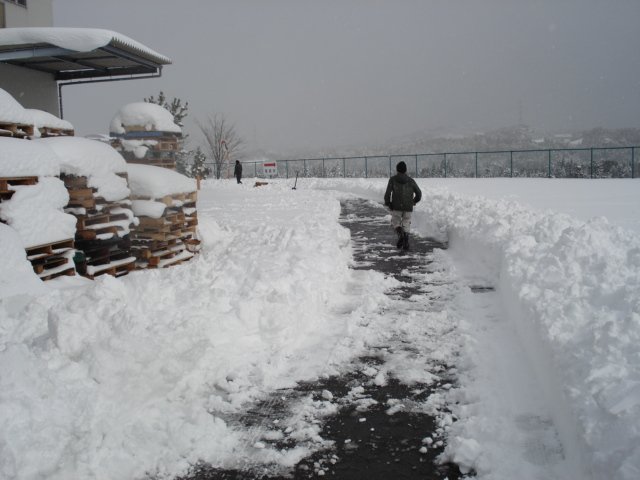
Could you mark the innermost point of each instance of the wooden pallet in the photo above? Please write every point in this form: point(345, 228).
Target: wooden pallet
point(55, 132)
point(52, 260)
point(7, 182)
point(116, 268)
point(18, 130)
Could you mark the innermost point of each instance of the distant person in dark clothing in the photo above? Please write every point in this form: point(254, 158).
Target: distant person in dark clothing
point(237, 171)
point(401, 195)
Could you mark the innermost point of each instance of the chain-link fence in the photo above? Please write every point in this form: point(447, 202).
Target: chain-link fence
point(601, 162)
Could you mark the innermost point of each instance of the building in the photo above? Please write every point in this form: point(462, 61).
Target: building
point(37, 60)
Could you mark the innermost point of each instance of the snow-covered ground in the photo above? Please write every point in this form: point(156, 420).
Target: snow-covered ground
point(118, 378)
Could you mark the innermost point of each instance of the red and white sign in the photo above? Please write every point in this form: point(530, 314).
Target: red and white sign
point(270, 169)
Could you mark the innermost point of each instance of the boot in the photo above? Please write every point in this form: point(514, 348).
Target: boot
point(400, 234)
point(405, 241)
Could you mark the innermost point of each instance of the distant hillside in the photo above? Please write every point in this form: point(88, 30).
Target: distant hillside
point(518, 137)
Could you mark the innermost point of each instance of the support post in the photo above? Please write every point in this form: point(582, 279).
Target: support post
point(287, 167)
point(549, 156)
point(633, 162)
point(416, 165)
point(511, 162)
point(445, 165)
point(366, 171)
point(344, 168)
point(591, 167)
point(323, 172)
point(476, 164)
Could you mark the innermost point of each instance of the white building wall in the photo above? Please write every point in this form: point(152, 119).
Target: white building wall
point(37, 13)
point(32, 89)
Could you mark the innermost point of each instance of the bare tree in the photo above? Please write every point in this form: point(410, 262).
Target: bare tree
point(223, 142)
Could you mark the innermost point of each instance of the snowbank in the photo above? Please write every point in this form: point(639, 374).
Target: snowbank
point(157, 182)
point(95, 160)
point(23, 158)
point(149, 116)
point(85, 393)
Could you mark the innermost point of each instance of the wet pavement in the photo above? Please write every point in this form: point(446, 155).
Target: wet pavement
point(379, 429)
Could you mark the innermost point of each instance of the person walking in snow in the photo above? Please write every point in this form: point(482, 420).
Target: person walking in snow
point(237, 171)
point(401, 195)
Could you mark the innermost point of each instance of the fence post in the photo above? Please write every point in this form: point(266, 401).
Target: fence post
point(366, 168)
point(389, 165)
point(445, 165)
point(591, 167)
point(549, 156)
point(476, 164)
point(304, 164)
point(511, 161)
point(344, 168)
point(323, 172)
point(633, 162)
point(287, 167)
point(416, 165)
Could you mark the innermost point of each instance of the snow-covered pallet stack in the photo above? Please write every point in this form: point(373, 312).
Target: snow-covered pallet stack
point(144, 133)
point(31, 201)
point(99, 200)
point(164, 203)
point(168, 239)
point(102, 230)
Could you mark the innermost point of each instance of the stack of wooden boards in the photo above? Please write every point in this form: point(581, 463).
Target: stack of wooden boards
point(161, 147)
point(49, 260)
point(102, 230)
point(169, 239)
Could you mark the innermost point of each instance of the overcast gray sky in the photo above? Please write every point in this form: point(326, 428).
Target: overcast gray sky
point(335, 72)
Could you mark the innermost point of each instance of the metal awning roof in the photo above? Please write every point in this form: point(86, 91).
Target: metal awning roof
point(59, 52)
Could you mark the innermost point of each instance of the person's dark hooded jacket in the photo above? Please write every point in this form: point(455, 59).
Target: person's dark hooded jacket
point(402, 193)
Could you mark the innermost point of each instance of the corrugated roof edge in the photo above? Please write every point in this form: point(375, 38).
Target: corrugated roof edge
point(147, 53)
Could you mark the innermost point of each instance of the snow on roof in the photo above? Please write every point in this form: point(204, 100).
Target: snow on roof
point(78, 39)
point(149, 116)
point(11, 111)
point(157, 182)
point(23, 158)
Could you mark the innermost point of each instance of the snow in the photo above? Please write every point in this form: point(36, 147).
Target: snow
point(138, 147)
point(23, 158)
point(10, 110)
point(157, 182)
point(95, 160)
point(41, 119)
point(148, 208)
point(35, 212)
point(17, 277)
point(150, 116)
point(547, 363)
point(77, 39)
